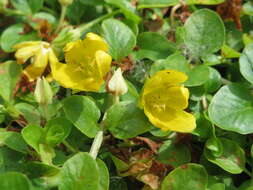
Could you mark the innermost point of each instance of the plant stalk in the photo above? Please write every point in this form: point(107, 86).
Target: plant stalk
point(97, 142)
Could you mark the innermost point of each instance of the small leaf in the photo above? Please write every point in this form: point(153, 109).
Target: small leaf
point(232, 159)
point(197, 76)
point(80, 172)
point(125, 120)
point(174, 154)
point(104, 175)
point(30, 113)
point(9, 75)
point(83, 113)
point(13, 140)
point(187, 177)
point(154, 51)
point(120, 38)
point(156, 3)
point(236, 112)
point(246, 63)
point(14, 181)
point(22, 5)
point(57, 130)
point(33, 134)
point(204, 32)
point(13, 35)
point(127, 8)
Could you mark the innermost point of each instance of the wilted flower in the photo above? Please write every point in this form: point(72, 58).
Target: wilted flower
point(164, 99)
point(40, 53)
point(117, 85)
point(87, 63)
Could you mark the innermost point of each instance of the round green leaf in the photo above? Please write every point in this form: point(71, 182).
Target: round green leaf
point(14, 181)
point(246, 63)
point(204, 32)
point(154, 51)
point(83, 113)
point(197, 76)
point(214, 81)
point(126, 120)
point(13, 35)
point(232, 109)
point(120, 38)
point(232, 158)
point(32, 134)
point(57, 130)
point(186, 177)
point(104, 175)
point(174, 154)
point(30, 113)
point(80, 172)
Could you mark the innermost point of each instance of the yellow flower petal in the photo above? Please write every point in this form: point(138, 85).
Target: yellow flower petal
point(37, 68)
point(179, 121)
point(26, 44)
point(103, 62)
point(25, 53)
point(165, 79)
point(87, 63)
point(175, 97)
point(163, 99)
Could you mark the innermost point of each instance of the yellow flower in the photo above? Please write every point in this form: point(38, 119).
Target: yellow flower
point(87, 63)
point(164, 99)
point(40, 53)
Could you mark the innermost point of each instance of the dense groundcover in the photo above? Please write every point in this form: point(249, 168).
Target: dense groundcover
point(126, 95)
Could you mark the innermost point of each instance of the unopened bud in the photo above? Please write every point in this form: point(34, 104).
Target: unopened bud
point(65, 2)
point(43, 92)
point(117, 85)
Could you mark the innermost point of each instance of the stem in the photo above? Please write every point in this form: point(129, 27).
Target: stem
point(172, 14)
point(63, 13)
point(115, 99)
point(204, 103)
point(71, 148)
point(88, 25)
point(97, 142)
point(247, 172)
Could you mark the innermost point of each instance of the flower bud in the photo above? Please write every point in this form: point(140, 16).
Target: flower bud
point(117, 85)
point(43, 92)
point(65, 2)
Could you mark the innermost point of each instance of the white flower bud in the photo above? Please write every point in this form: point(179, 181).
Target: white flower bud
point(117, 85)
point(43, 92)
point(65, 2)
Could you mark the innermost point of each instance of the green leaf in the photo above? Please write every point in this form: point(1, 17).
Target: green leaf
point(187, 177)
point(35, 5)
point(214, 81)
point(80, 172)
point(9, 75)
point(228, 52)
point(246, 63)
point(154, 51)
point(248, 8)
point(174, 154)
point(156, 3)
point(204, 2)
point(83, 113)
point(37, 169)
point(204, 32)
point(57, 130)
point(14, 181)
point(33, 134)
point(232, 159)
point(13, 140)
point(127, 9)
point(30, 113)
point(120, 38)
point(232, 109)
point(175, 61)
point(22, 5)
point(13, 35)
point(104, 175)
point(125, 120)
point(197, 76)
